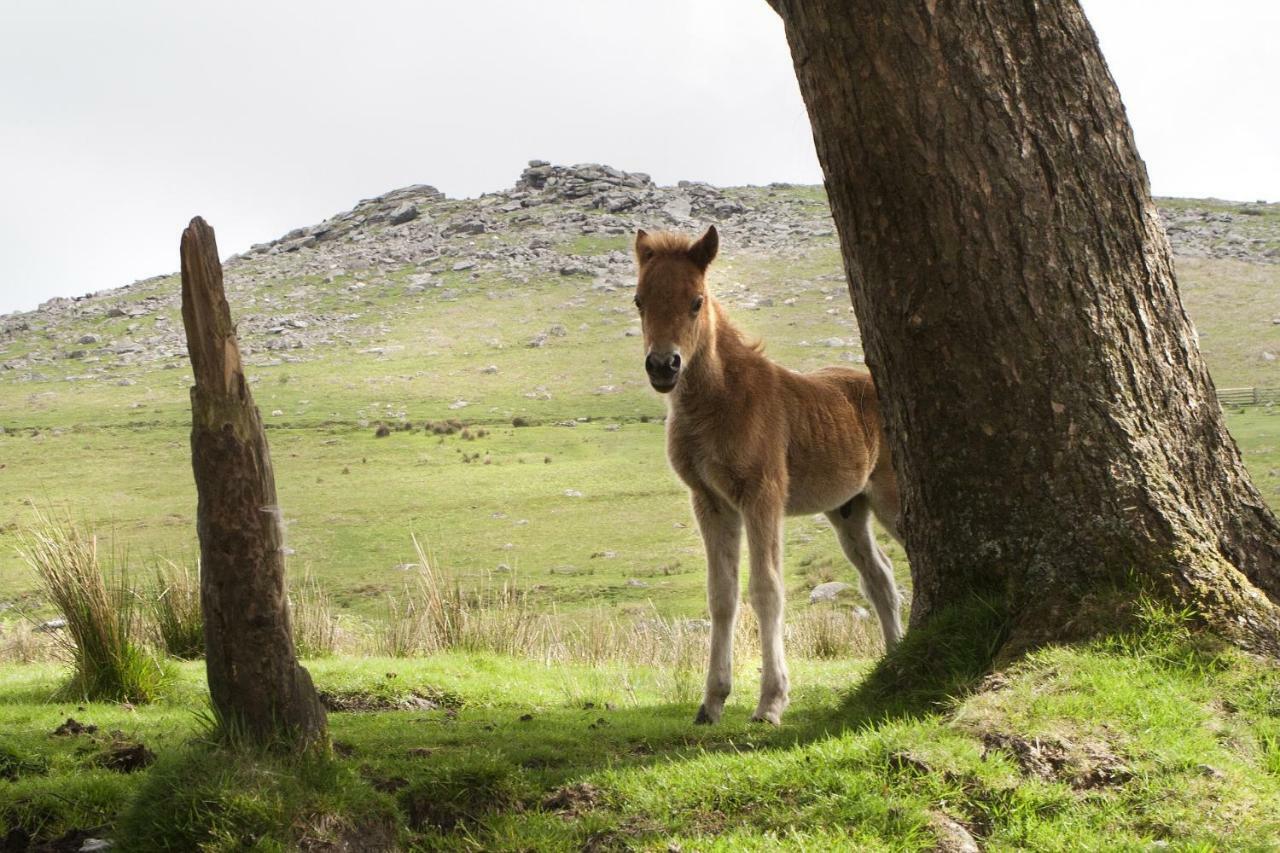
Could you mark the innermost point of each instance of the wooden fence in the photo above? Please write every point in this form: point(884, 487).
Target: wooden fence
point(1248, 396)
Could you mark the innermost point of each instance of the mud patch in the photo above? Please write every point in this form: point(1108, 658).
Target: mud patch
point(73, 727)
point(124, 756)
point(572, 800)
point(1083, 766)
point(72, 841)
point(326, 834)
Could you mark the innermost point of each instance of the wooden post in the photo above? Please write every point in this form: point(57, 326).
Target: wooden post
point(255, 681)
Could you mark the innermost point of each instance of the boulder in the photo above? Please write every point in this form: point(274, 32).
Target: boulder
point(404, 213)
point(829, 591)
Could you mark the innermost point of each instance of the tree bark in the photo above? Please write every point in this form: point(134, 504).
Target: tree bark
point(257, 686)
point(1052, 422)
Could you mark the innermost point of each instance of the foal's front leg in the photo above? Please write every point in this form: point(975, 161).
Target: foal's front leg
point(764, 543)
point(721, 527)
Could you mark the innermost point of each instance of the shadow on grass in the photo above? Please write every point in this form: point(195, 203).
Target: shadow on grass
point(438, 772)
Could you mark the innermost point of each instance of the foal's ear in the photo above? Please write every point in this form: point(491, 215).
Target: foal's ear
point(704, 251)
point(643, 250)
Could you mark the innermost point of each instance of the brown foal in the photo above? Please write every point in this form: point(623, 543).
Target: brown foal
point(755, 442)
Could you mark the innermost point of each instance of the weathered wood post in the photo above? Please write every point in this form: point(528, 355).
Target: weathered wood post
point(257, 685)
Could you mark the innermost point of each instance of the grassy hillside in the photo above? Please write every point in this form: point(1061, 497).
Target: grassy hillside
point(581, 507)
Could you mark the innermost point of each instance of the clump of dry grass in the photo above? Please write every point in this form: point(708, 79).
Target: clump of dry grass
point(434, 613)
point(825, 631)
point(20, 643)
point(103, 631)
point(175, 611)
point(316, 632)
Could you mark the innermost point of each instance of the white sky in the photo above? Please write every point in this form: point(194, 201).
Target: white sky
point(121, 120)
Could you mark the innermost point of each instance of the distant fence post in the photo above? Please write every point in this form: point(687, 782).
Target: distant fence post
point(257, 686)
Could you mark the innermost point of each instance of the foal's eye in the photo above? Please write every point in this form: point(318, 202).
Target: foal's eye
point(637, 302)
point(697, 304)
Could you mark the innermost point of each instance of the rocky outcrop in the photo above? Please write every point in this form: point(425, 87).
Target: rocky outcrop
point(312, 287)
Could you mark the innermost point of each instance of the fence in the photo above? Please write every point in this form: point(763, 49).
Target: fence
point(1248, 396)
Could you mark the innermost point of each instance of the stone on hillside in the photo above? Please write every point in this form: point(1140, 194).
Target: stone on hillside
point(471, 226)
point(557, 330)
point(679, 208)
point(88, 339)
point(404, 213)
point(491, 369)
point(828, 591)
point(463, 265)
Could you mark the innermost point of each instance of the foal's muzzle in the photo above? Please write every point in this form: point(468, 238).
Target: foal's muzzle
point(663, 370)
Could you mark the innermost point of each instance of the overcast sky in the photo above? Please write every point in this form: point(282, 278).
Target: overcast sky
point(121, 120)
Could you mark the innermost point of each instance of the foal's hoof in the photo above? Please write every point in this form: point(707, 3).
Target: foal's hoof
point(771, 717)
point(704, 718)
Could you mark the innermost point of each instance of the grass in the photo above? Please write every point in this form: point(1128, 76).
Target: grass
point(537, 674)
point(175, 611)
point(351, 499)
point(103, 634)
point(1161, 736)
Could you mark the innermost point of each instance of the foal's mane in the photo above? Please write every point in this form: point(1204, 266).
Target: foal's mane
point(667, 243)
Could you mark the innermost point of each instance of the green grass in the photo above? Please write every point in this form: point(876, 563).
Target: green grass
point(352, 501)
point(1161, 736)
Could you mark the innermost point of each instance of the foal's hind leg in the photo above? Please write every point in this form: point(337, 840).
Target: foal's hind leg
point(721, 528)
point(853, 528)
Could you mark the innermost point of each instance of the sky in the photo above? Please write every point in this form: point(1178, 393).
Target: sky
point(120, 121)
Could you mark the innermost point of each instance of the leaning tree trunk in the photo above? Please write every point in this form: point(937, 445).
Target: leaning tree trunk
point(1054, 427)
point(257, 686)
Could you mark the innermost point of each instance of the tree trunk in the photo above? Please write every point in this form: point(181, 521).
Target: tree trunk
point(257, 686)
point(1052, 422)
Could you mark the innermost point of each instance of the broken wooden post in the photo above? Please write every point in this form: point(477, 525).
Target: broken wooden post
point(257, 686)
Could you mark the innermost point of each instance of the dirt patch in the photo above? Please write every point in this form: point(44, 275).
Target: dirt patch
point(72, 841)
point(361, 701)
point(385, 784)
point(625, 837)
point(908, 763)
point(326, 834)
point(73, 727)
point(124, 756)
point(1084, 766)
point(572, 800)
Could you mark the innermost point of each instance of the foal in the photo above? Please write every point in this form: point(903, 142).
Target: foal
point(754, 441)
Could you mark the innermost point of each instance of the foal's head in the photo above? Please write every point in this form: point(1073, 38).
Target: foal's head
point(671, 296)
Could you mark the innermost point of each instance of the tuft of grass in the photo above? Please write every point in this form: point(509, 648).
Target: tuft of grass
point(936, 662)
point(315, 625)
point(175, 611)
point(211, 798)
point(103, 631)
point(19, 643)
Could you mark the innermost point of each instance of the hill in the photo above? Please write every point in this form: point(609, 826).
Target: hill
point(413, 310)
